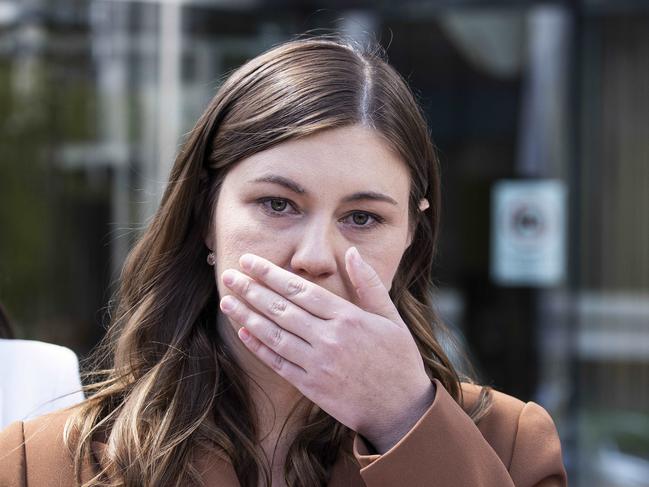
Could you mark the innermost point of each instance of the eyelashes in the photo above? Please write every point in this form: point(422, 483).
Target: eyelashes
point(281, 207)
point(278, 206)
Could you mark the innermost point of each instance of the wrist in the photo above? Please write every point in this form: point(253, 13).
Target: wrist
point(384, 437)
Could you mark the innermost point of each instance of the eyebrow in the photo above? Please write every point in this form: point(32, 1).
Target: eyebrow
point(282, 181)
point(296, 188)
point(370, 195)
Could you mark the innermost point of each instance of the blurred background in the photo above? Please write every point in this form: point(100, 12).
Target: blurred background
point(540, 111)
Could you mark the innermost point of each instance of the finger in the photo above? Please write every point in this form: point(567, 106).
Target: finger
point(307, 295)
point(281, 341)
point(289, 371)
point(275, 307)
point(373, 296)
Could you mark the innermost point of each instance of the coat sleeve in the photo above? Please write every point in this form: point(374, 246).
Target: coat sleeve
point(12, 456)
point(445, 448)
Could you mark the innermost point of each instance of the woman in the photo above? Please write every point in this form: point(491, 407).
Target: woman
point(274, 324)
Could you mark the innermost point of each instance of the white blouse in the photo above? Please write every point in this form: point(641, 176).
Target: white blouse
point(36, 378)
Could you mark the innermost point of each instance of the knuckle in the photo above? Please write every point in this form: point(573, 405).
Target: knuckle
point(241, 314)
point(374, 281)
point(253, 322)
point(261, 268)
point(327, 367)
point(350, 320)
point(245, 287)
point(330, 342)
point(277, 362)
point(277, 307)
point(275, 336)
point(254, 345)
point(295, 287)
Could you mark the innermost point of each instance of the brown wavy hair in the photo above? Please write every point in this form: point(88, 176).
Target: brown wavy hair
point(165, 387)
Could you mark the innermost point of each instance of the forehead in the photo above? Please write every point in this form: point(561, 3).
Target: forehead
point(339, 160)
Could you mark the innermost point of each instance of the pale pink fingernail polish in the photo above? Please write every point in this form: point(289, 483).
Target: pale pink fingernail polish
point(244, 334)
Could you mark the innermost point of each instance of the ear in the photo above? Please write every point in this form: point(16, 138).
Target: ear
point(423, 206)
point(209, 241)
point(208, 232)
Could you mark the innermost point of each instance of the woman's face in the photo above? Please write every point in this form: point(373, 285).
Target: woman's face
point(301, 204)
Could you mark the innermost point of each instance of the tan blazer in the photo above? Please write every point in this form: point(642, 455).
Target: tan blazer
point(516, 444)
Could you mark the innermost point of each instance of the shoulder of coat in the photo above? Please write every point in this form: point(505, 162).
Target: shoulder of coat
point(48, 425)
point(501, 403)
point(499, 426)
point(46, 454)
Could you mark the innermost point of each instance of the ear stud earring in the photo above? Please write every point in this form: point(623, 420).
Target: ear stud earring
point(211, 260)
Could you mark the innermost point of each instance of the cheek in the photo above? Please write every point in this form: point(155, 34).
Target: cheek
point(385, 259)
point(235, 236)
point(387, 270)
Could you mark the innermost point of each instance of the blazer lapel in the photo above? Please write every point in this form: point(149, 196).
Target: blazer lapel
point(346, 473)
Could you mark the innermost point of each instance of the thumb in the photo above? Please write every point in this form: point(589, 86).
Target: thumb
point(372, 294)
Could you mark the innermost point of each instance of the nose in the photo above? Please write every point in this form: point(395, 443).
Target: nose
point(315, 254)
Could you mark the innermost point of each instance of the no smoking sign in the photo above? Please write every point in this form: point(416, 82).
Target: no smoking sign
point(528, 245)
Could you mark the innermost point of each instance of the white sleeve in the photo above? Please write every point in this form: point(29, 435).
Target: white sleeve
point(60, 384)
point(69, 383)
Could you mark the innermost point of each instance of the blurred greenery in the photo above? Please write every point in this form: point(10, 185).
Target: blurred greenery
point(627, 431)
point(27, 221)
point(54, 211)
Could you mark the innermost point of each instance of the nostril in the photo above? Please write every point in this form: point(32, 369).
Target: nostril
point(311, 274)
point(315, 255)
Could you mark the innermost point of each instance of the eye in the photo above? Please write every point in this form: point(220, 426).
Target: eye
point(277, 206)
point(362, 219)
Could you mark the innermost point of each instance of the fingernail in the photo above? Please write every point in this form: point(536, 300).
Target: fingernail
point(356, 257)
point(246, 261)
point(244, 334)
point(228, 278)
point(228, 303)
